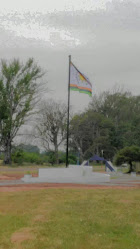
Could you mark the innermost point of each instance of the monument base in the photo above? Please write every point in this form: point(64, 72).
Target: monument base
point(72, 174)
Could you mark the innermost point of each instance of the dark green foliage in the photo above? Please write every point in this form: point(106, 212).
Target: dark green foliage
point(111, 123)
point(61, 158)
point(123, 109)
point(18, 157)
point(28, 148)
point(128, 155)
point(51, 157)
point(90, 134)
point(34, 158)
point(23, 157)
point(72, 158)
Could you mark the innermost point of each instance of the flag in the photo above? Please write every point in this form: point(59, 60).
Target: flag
point(78, 81)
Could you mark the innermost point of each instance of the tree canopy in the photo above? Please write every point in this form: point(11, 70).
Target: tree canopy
point(128, 155)
point(18, 85)
point(111, 123)
point(90, 133)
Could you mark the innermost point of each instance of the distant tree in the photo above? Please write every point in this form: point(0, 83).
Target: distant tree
point(90, 134)
point(51, 126)
point(28, 148)
point(124, 110)
point(18, 86)
point(128, 155)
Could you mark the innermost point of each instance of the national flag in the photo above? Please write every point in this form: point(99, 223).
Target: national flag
point(78, 81)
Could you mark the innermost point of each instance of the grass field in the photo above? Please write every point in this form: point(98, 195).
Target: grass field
point(70, 219)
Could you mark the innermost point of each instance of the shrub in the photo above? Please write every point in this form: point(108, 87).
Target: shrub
point(17, 157)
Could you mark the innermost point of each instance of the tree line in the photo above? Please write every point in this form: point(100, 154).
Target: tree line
point(110, 123)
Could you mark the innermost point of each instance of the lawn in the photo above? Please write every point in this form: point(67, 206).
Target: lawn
point(70, 219)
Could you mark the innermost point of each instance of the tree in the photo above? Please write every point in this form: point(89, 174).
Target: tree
point(28, 148)
point(90, 134)
point(51, 125)
point(128, 155)
point(124, 110)
point(18, 86)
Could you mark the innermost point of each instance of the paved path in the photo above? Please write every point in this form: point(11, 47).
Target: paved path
point(122, 180)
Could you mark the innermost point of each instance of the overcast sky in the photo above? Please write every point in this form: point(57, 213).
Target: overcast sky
point(102, 36)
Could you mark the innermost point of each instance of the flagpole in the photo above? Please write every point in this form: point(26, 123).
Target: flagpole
point(67, 150)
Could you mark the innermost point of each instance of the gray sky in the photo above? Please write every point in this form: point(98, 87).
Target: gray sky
point(102, 36)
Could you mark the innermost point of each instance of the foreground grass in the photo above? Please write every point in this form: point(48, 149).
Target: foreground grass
point(70, 218)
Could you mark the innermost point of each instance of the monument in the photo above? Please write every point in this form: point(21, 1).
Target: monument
point(72, 174)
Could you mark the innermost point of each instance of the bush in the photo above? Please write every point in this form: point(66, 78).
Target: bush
point(33, 158)
point(17, 157)
point(20, 157)
point(72, 158)
point(51, 158)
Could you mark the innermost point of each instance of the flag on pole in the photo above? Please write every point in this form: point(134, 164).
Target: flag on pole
point(78, 81)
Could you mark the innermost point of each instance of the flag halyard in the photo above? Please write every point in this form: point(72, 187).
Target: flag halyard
point(79, 82)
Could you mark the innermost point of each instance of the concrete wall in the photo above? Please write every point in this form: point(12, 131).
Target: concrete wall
point(71, 171)
point(72, 174)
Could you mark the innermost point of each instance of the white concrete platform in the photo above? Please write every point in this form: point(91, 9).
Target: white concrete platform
point(72, 174)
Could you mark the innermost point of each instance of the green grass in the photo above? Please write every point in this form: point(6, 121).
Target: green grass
point(70, 219)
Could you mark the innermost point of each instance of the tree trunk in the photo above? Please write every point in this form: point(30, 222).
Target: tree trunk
point(81, 156)
point(131, 167)
point(7, 153)
point(56, 155)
